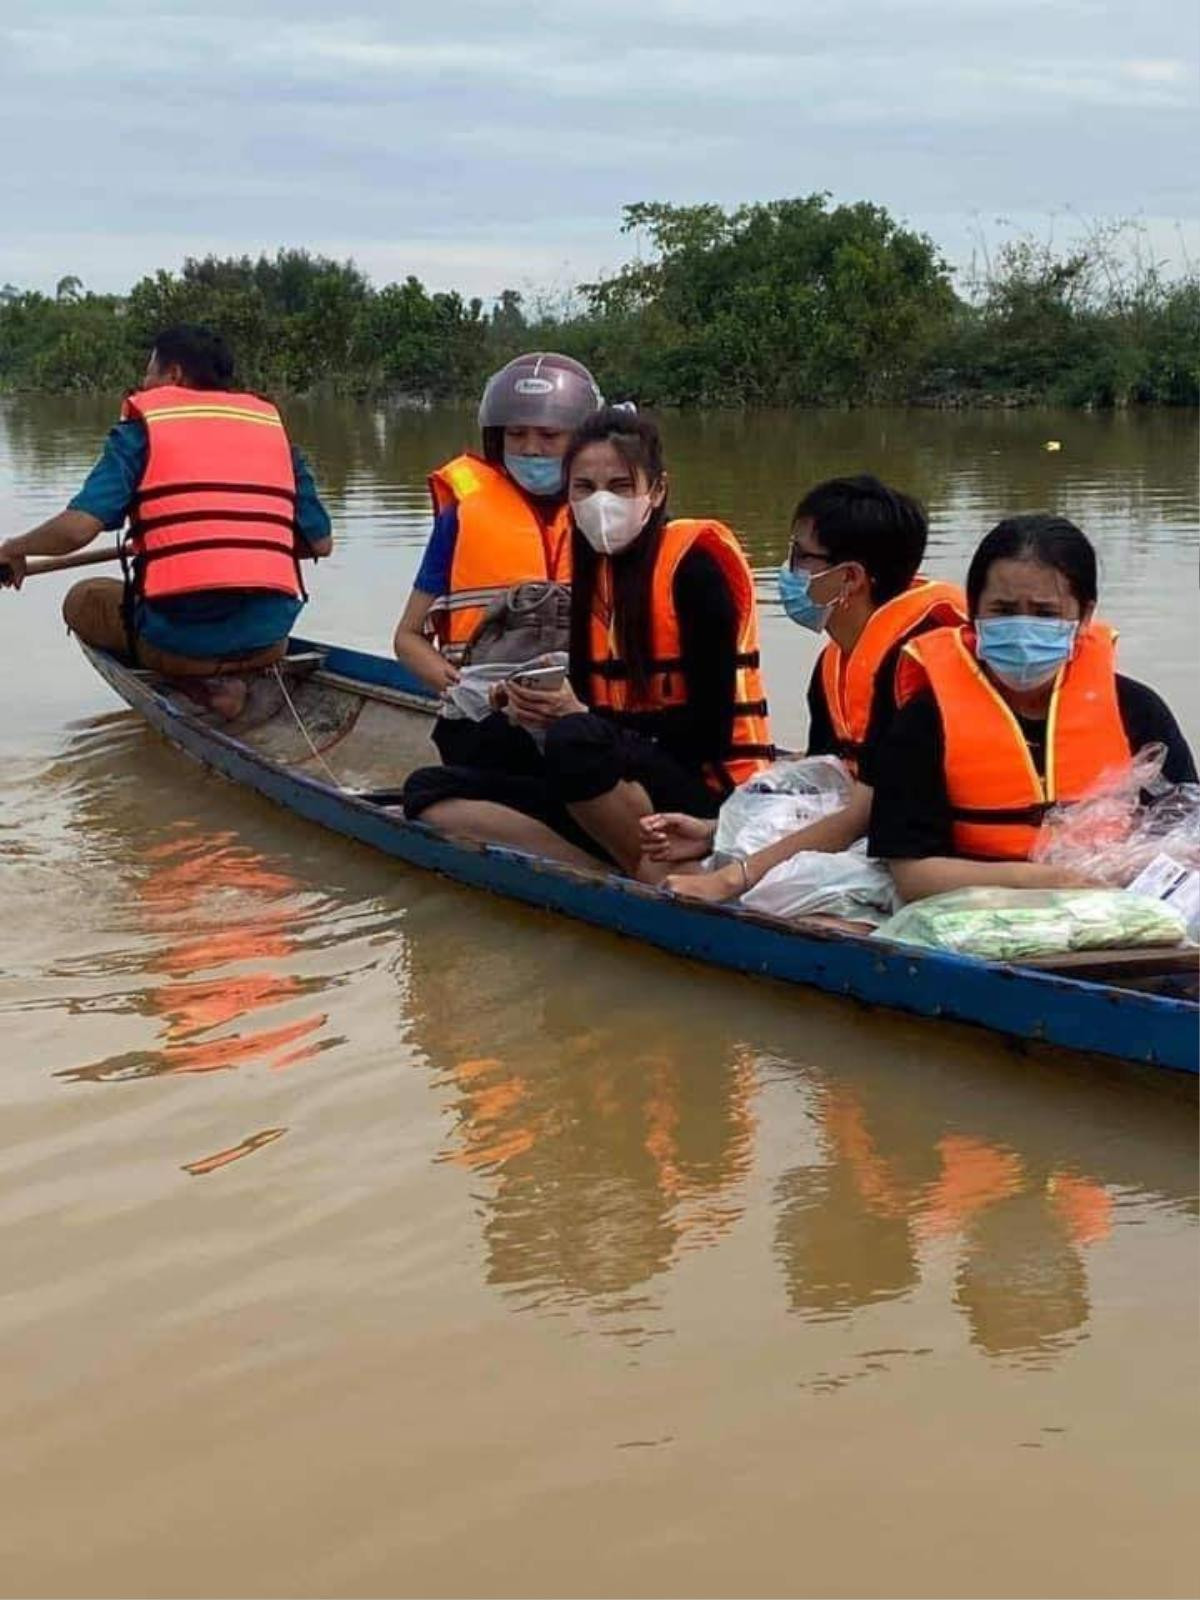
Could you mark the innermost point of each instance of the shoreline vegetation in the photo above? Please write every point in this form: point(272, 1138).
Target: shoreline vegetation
point(787, 303)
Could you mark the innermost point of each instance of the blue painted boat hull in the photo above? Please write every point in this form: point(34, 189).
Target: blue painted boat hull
point(1016, 1002)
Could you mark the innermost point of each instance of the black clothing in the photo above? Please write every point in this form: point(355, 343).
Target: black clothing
point(697, 732)
point(910, 815)
point(494, 742)
point(584, 757)
point(823, 741)
point(588, 754)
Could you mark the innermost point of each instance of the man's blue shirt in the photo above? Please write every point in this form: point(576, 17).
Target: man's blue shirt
point(202, 625)
point(434, 574)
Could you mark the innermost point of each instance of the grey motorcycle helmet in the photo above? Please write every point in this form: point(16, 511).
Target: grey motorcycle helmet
point(539, 390)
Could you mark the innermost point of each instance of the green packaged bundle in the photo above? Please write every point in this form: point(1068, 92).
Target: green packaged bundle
point(1023, 924)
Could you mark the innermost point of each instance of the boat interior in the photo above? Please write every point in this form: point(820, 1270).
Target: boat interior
point(317, 715)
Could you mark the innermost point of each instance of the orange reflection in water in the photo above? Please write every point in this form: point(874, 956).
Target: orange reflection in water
point(974, 1176)
point(213, 903)
point(606, 1163)
point(222, 1158)
point(854, 1231)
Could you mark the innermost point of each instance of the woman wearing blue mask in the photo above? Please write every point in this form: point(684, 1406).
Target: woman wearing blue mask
point(1020, 709)
point(852, 575)
point(500, 519)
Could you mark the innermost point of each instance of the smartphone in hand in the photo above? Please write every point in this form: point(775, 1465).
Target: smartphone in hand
point(547, 679)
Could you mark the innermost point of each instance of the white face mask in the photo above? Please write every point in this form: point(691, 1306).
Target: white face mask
point(611, 522)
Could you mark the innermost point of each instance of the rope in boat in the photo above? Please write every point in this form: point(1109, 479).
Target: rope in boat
point(337, 782)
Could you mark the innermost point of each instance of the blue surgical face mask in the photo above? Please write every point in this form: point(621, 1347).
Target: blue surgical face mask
point(535, 474)
point(798, 603)
point(1024, 652)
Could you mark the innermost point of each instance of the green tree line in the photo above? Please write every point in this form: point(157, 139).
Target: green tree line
point(789, 303)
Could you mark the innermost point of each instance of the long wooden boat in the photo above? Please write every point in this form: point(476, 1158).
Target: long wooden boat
point(333, 736)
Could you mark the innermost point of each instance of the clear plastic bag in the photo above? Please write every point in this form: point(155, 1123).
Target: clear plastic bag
point(469, 697)
point(780, 800)
point(1112, 834)
point(845, 883)
point(1020, 924)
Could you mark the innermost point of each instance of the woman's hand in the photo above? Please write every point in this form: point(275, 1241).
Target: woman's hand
point(447, 675)
point(727, 883)
point(674, 836)
point(538, 708)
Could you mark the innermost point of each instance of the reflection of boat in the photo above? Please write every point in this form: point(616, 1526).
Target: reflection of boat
point(333, 739)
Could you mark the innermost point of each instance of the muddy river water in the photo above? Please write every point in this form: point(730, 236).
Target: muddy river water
point(362, 1235)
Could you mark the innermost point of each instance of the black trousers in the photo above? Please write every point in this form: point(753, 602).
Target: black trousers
point(584, 756)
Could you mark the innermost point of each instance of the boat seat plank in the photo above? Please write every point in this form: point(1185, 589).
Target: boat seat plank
point(1118, 963)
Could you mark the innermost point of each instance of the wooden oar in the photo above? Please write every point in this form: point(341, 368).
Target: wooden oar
point(86, 558)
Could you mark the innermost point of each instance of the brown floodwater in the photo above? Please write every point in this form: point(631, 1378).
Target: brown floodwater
point(362, 1235)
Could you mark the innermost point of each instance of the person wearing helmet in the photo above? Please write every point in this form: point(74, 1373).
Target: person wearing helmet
point(500, 519)
point(664, 695)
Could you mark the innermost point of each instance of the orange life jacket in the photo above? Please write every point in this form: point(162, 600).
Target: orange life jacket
point(609, 689)
point(216, 506)
point(995, 794)
point(849, 681)
point(501, 542)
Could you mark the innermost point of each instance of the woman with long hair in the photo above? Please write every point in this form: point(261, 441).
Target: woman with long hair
point(663, 708)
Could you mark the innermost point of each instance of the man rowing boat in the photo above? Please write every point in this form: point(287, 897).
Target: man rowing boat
point(221, 509)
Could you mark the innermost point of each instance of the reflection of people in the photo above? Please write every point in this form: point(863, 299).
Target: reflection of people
point(221, 507)
point(844, 1233)
point(664, 706)
point(619, 1143)
point(604, 1172)
point(851, 574)
point(1021, 1280)
point(839, 1252)
point(852, 1232)
point(500, 520)
point(215, 904)
point(1020, 709)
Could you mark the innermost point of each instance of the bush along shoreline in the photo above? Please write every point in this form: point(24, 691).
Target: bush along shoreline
point(788, 303)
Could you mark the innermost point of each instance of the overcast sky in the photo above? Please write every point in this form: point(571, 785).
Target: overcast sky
point(484, 145)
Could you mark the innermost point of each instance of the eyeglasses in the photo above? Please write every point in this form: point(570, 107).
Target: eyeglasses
point(808, 560)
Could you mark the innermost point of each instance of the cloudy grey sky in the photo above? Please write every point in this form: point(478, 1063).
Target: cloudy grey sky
point(484, 144)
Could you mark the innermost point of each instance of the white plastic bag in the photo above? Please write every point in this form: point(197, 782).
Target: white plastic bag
point(842, 884)
point(468, 698)
point(780, 800)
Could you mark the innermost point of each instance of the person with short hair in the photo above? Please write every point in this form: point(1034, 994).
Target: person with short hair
point(1019, 709)
point(852, 574)
point(221, 507)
